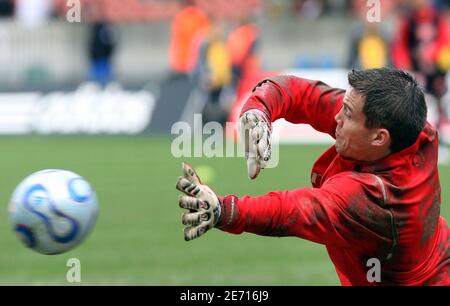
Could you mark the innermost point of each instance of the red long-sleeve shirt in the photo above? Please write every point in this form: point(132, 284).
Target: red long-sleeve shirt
point(388, 210)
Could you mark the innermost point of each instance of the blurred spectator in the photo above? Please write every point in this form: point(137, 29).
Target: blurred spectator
point(336, 7)
point(242, 46)
point(33, 13)
point(442, 4)
point(212, 71)
point(422, 46)
point(185, 26)
point(6, 8)
point(102, 44)
point(310, 9)
point(101, 50)
point(369, 47)
point(275, 9)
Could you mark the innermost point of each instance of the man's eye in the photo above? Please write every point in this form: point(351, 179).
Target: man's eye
point(346, 110)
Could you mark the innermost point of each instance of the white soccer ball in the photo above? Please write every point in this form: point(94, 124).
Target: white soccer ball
point(52, 211)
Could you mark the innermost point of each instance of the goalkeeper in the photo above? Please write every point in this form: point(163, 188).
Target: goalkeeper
point(376, 192)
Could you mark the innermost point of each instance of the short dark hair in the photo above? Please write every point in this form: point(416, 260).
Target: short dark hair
point(393, 101)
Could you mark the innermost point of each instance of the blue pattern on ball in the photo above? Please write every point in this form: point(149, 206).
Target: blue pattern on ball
point(79, 195)
point(26, 233)
point(48, 223)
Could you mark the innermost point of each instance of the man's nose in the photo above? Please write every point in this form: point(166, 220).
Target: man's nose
point(338, 118)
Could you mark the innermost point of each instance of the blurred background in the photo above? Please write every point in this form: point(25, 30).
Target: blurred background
point(95, 86)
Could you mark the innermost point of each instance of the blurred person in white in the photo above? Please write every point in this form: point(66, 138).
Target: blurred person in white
point(33, 13)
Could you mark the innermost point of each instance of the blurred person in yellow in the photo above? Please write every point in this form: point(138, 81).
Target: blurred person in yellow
point(187, 23)
point(212, 70)
point(369, 47)
point(370, 42)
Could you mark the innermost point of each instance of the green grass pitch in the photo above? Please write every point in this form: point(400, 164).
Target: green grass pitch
point(138, 237)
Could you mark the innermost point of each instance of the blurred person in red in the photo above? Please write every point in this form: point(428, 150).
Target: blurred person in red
point(189, 21)
point(242, 46)
point(376, 193)
point(422, 46)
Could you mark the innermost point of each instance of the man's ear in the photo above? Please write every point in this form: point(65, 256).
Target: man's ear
point(381, 138)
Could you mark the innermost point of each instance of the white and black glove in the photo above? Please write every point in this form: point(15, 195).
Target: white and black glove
point(254, 131)
point(202, 203)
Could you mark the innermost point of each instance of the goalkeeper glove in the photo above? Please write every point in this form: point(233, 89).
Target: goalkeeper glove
point(203, 204)
point(255, 130)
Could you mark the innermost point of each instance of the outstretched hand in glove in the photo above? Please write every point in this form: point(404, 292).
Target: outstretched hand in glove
point(202, 203)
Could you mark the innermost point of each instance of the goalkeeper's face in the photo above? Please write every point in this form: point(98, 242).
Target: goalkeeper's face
point(353, 139)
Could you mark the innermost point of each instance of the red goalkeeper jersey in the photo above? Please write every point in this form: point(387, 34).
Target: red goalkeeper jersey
point(388, 209)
